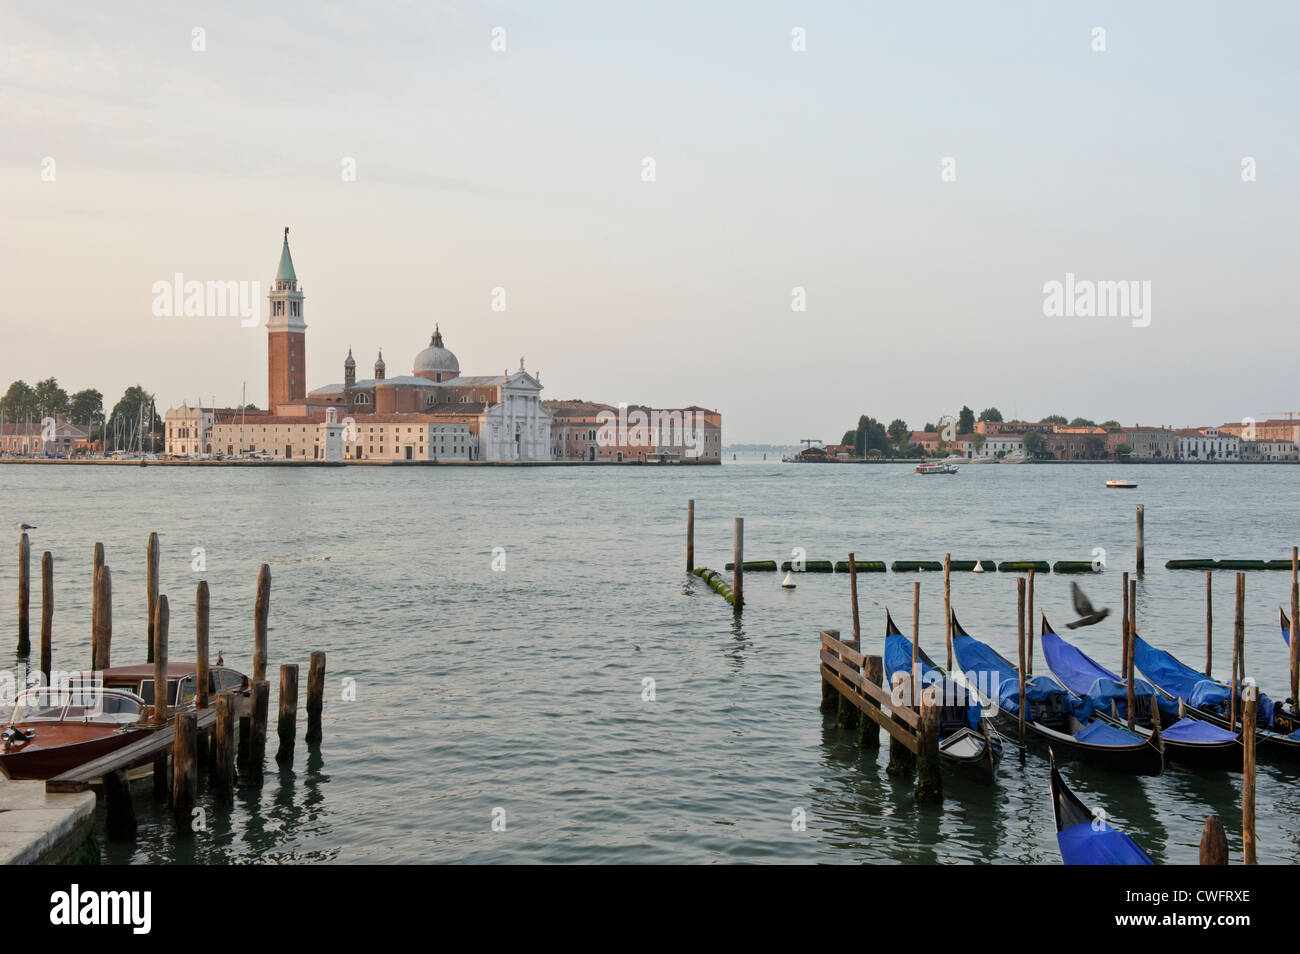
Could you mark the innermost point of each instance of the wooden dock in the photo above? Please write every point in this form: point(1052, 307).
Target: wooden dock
point(155, 745)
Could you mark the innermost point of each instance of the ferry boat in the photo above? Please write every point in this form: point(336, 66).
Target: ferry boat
point(53, 730)
point(937, 469)
point(1122, 484)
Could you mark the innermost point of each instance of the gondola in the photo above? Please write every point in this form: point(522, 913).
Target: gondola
point(1053, 715)
point(1084, 838)
point(967, 743)
point(1210, 701)
point(1187, 740)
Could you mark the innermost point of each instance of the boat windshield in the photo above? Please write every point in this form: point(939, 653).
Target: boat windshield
point(39, 705)
point(78, 705)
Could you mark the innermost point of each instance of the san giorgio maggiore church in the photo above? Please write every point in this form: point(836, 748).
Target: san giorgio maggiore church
point(433, 413)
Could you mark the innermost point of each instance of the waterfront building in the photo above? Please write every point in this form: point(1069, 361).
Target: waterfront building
point(1145, 443)
point(1270, 430)
point(928, 441)
point(1000, 446)
point(1085, 442)
point(1207, 444)
point(325, 436)
point(29, 439)
point(187, 430)
point(1268, 451)
point(590, 431)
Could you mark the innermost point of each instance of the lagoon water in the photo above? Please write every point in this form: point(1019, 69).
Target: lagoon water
point(518, 692)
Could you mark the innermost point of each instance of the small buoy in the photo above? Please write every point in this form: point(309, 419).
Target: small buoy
point(978, 568)
point(787, 583)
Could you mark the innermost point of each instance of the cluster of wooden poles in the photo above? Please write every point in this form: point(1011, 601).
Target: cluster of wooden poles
point(205, 734)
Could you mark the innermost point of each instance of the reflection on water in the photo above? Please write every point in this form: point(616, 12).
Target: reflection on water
point(521, 690)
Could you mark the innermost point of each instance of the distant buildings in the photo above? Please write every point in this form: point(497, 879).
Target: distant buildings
point(34, 440)
point(433, 413)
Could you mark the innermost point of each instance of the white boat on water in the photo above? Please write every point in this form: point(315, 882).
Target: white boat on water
point(1122, 484)
point(937, 469)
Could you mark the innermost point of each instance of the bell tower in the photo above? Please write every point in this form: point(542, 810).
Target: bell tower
point(286, 333)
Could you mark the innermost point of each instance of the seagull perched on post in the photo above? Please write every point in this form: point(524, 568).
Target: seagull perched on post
point(26, 526)
point(1087, 614)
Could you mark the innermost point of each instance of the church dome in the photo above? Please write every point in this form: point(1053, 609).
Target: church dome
point(435, 359)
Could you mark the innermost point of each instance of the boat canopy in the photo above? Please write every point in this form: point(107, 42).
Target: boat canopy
point(1084, 676)
point(1003, 679)
point(1183, 682)
point(1096, 843)
point(898, 658)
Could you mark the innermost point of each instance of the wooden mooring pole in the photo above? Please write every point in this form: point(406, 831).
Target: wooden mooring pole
point(204, 671)
point(947, 604)
point(1020, 640)
point(1128, 650)
point(738, 558)
point(690, 536)
point(161, 620)
point(1209, 631)
point(1214, 842)
point(916, 644)
point(185, 768)
point(151, 585)
point(1029, 624)
point(287, 723)
point(261, 610)
point(24, 595)
point(101, 647)
point(853, 595)
point(1295, 645)
point(47, 616)
point(902, 760)
point(929, 781)
point(98, 561)
point(1123, 626)
point(223, 748)
point(315, 697)
point(1141, 550)
point(1249, 707)
point(259, 701)
point(1238, 614)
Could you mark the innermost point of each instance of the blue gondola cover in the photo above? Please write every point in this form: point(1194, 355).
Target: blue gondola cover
point(1186, 683)
point(1095, 843)
point(898, 658)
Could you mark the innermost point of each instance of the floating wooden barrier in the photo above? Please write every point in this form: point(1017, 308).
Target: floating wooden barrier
point(759, 566)
point(1201, 564)
point(862, 566)
point(1074, 566)
point(814, 566)
point(1024, 566)
point(910, 566)
point(717, 581)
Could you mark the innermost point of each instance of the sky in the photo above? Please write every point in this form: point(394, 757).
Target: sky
point(128, 156)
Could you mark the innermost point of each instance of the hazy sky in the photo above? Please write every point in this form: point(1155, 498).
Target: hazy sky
point(775, 169)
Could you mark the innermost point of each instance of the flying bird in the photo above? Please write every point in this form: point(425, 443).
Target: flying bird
point(1087, 614)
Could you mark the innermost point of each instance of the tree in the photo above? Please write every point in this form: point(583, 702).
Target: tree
point(991, 414)
point(51, 400)
point(1035, 446)
point(1109, 424)
point(19, 402)
point(978, 441)
point(1082, 422)
point(85, 407)
point(849, 437)
point(1053, 419)
point(870, 435)
point(899, 433)
point(1123, 450)
point(965, 420)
